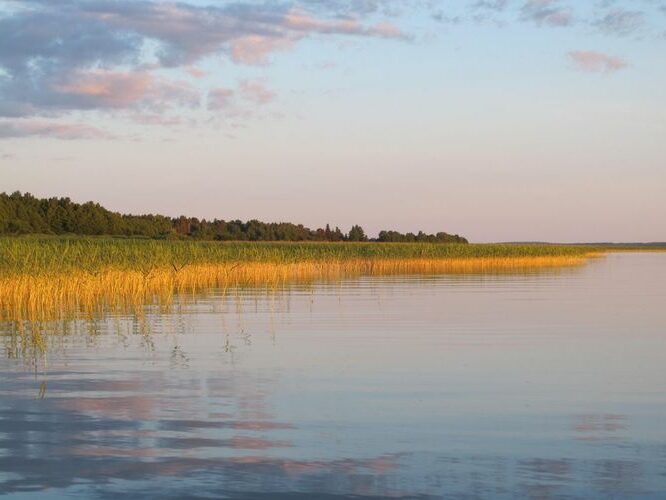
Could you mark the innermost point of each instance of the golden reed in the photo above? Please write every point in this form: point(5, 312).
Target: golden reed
point(52, 296)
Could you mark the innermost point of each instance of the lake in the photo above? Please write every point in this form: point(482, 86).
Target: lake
point(536, 385)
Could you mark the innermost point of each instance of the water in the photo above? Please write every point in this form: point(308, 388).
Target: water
point(548, 385)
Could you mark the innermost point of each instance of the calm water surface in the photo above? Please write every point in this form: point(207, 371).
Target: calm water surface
point(547, 385)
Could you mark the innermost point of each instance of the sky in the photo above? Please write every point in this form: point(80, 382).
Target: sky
point(500, 120)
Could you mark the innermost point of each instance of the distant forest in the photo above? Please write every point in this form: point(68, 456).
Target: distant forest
point(26, 214)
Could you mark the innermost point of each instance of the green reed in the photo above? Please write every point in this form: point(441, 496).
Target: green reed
point(36, 256)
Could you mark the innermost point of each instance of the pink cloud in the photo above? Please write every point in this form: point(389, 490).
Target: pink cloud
point(195, 72)
point(300, 21)
point(187, 33)
point(256, 91)
point(39, 128)
point(589, 60)
point(118, 89)
point(255, 49)
point(219, 98)
point(121, 36)
point(388, 30)
point(113, 89)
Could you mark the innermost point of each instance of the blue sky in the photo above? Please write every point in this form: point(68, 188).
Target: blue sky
point(498, 120)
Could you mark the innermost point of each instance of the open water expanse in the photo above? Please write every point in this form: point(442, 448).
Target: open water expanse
point(543, 385)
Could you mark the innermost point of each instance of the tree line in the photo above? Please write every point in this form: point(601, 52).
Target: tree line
point(26, 214)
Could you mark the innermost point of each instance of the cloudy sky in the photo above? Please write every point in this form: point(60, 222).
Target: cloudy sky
point(496, 119)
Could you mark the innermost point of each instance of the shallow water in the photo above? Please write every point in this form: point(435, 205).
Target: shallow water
point(547, 385)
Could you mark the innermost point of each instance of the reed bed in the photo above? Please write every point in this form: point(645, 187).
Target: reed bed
point(55, 278)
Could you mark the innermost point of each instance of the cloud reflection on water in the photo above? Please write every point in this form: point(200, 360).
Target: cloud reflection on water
point(500, 387)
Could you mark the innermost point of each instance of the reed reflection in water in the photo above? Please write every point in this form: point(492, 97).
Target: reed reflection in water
point(533, 385)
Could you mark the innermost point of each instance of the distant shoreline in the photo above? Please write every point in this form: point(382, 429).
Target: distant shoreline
point(658, 244)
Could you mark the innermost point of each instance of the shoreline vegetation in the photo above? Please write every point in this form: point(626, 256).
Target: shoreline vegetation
point(44, 279)
point(61, 260)
point(22, 214)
